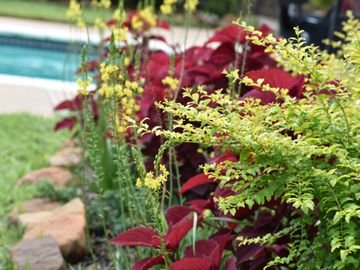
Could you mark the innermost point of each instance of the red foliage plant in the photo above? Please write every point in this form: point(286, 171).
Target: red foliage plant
point(198, 65)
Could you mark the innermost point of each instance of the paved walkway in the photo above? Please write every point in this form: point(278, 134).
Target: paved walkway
point(39, 96)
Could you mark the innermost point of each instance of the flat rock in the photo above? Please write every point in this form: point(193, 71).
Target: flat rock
point(32, 206)
point(41, 253)
point(68, 156)
point(59, 177)
point(65, 224)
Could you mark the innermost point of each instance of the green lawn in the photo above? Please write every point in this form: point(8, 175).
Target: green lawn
point(26, 142)
point(44, 10)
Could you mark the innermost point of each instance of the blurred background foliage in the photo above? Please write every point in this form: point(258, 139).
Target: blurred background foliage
point(55, 10)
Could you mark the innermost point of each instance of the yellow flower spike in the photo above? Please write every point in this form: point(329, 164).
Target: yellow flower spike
point(120, 16)
point(154, 183)
point(190, 5)
point(127, 92)
point(164, 171)
point(139, 183)
point(110, 92)
point(99, 24)
point(120, 34)
point(106, 3)
point(80, 23)
point(121, 129)
point(129, 111)
point(119, 90)
point(136, 23)
point(133, 85)
point(166, 9)
point(101, 4)
point(148, 15)
point(171, 82)
point(74, 9)
point(107, 90)
point(127, 61)
point(140, 90)
point(170, 2)
point(84, 85)
point(107, 71)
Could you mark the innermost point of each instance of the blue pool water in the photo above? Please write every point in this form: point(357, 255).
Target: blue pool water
point(38, 58)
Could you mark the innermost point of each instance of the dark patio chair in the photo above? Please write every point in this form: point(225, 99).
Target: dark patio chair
point(316, 27)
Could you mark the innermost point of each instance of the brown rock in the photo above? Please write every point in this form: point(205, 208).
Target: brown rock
point(67, 157)
point(32, 206)
point(66, 224)
point(41, 253)
point(57, 176)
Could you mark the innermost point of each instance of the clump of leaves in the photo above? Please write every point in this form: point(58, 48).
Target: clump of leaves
point(48, 190)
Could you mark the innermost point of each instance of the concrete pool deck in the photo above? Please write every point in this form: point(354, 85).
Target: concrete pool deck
point(38, 96)
point(33, 95)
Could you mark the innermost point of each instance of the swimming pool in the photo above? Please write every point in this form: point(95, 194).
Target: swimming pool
point(32, 57)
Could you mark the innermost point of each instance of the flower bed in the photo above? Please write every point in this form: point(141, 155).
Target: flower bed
point(242, 153)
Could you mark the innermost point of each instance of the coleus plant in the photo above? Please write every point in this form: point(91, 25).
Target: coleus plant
point(203, 255)
point(209, 253)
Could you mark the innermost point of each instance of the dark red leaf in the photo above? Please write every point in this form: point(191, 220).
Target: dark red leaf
point(66, 105)
point(191, 264)
point(207, 249)
point(249, 252)
point(140, 236)
point(180, 222)
point(157, 37)
point(265, 29)
point(111, 22)
point(176, 214)
point(266, 97)
point(274, 77)
point(199, 205)
point(163, 24)
point(223, 56)
point(148, 262)
point(230, 34)
point(197, 55)
point(150, 95)
point(231, 264)
point(197, 180)
point(223, 240)
point(65, 123)
point(226, 156)
point(241, 213)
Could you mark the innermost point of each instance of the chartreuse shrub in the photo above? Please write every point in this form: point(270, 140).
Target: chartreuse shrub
point(303, 151)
